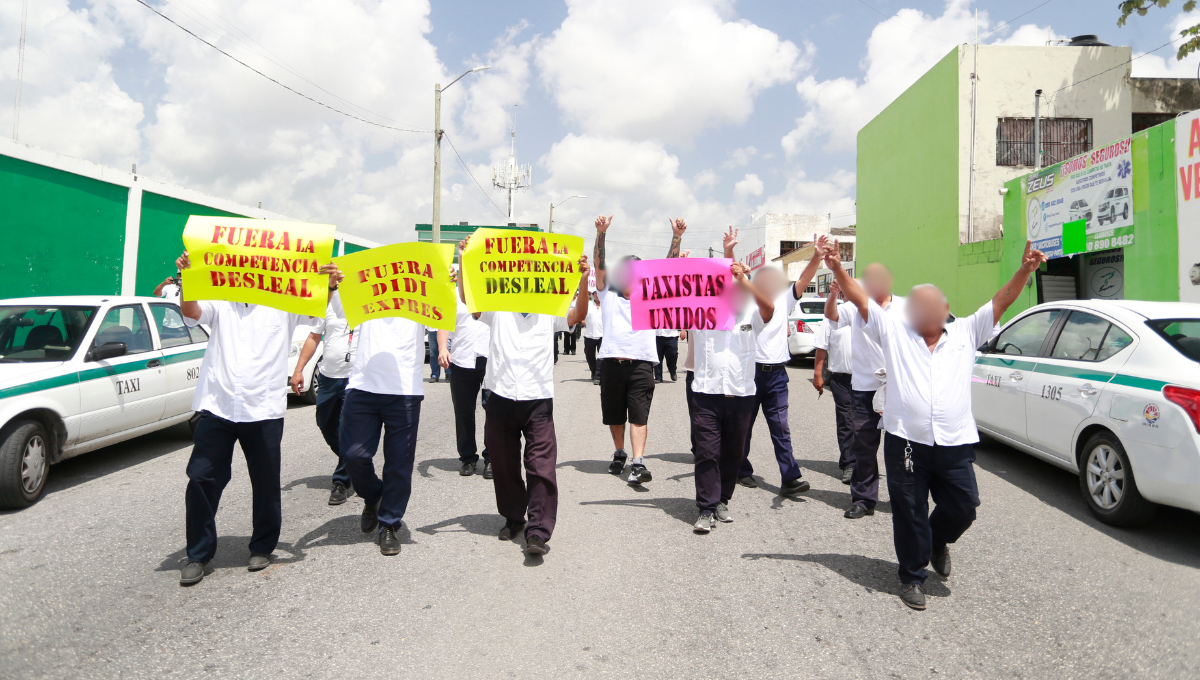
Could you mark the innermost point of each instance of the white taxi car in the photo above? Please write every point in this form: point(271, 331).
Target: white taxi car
point(1108, 389)
point(81, 372)
point(309, 395)
point(802, 326)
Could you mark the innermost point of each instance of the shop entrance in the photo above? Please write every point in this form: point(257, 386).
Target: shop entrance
point(1089, 276)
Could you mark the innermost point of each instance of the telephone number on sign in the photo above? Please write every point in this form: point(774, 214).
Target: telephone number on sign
point(1114, 242)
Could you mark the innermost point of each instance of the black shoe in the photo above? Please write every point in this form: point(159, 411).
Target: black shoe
point(941, 562)
point(467, 469)
point(913, 596)
point(857, 511)
point(658, 380)
point(370, 517)
point(487, 469)
point(638, 474)
point(192, 573)
point(595, 381)
point(748, 482)
point(258, 562)
point(433, 379)
point(618, 463)
point(673, 378)
point(339, 494)
point(536, 545)
point(847, 474)
point(511, 529)
point(797, 485)
point(389, 542)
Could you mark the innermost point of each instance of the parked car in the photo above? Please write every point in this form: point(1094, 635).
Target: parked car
point(1108, 389)
point(309, 396)
point(1080, 211)
point(81, 372)
point(802, 326)
point(1116, 202)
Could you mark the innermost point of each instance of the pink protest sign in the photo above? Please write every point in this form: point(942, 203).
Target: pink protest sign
point(689, 293)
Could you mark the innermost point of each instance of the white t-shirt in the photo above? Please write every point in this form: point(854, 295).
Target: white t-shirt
point(170, 293)
point(471, 338)
point(521, 354)
point(593, 325)
point(244, 376)
point(338, 355)
point(725, 359)
point(620, 340)
point(929, 393)
point(866, 357)
point(390, 357)
point(836, 345)
point(772, 342)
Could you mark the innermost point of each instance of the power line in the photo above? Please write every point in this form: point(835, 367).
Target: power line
point(890, 18)
point(1126, 63)
point(289, 89)
point(472, 176)
point(1047, 2)
point(20, 70)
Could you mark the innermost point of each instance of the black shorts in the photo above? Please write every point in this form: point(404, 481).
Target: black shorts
point(626, 387)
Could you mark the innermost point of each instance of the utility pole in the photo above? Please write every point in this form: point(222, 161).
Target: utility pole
point(550, 229)
point(1037, 130)
point(436, 235)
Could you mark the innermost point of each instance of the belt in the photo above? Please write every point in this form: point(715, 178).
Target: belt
point(621, 361)
point(770, 367)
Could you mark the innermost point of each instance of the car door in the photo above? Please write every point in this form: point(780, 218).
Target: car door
point(183, 352)
point(126, 391)
point(1066, 385)
point(1002, 371)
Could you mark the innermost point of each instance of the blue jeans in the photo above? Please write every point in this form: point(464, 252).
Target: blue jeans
point(771, 395)
point(331, 394)
point(435, 369)
point(364, 415)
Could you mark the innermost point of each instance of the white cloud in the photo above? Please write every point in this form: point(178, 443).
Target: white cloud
point(1164, 64)
point(741, 157)
point(750, 185)
point(802, 196)
point(661, 70)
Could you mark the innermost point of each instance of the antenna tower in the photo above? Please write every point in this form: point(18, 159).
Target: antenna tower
point(510, 177)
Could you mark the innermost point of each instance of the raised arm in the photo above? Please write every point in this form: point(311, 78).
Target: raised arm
point(579, 311)
point(810, 271)
point(766, 306)
point(190, 308)
point(831, 303)
point(1030, 261)
point(602, 224)
point(730, 240)
point(850, 288)
point(678, 226)
point(159, 287)
point(335, 279)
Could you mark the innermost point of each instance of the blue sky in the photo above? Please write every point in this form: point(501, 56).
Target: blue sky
point(712, 110)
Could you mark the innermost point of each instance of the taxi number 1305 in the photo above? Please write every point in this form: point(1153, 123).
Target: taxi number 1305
point(1052, 392)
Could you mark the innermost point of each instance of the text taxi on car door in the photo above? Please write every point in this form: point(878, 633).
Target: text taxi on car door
point(81, 372)
point(1107, 389)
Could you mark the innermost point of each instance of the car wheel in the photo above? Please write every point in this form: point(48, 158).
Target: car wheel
point(1125, 215)
point(24, 463)
point(1106, 480)
point(309, 396)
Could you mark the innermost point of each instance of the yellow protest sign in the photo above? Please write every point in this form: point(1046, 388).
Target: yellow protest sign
point(411, 280)
point(264, 262)
point(506, 270)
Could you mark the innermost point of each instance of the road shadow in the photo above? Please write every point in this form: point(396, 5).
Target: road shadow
point(683, 458)
point(479, 524)
point(344, 530)
point(319, 482)
point(682, 509)
point(869, 572)
point(590, 467)
point(232, 552)
point(1173, 535)
point(443, 464)
point(840, 500)
point(829, 468)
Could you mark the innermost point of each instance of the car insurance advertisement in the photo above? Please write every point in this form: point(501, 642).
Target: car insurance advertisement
point(1096, 187)
point(1187, 159)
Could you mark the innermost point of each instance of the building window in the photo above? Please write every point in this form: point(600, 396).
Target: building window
point(786, 247)
point(846, 252)
point(1062, 138)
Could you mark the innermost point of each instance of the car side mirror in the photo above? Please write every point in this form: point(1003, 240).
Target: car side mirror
point(107, 351)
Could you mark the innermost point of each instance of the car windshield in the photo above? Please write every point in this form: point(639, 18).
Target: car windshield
point(33, 333)
point(1183, 334)
point(812, 307)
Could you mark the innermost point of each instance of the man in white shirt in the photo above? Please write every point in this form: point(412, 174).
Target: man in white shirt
point(627, 358)
point(169, 289)
point(593, 335)
point(928, 450)
point(666, 341)
point(865, 359)
point(469, 355)
point(241, 396)
point(520, 374)
point(833, 357)
point(332, 374)
point(723, 400)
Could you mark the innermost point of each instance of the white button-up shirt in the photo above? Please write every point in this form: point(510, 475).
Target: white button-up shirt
point(338, 354)
point(244, 374)
point(836, 344)
point(521, 354)
point(929, 393)
point(725, 359)
point(772, 342)
point(390, 358)
point(620, 340)
point(471, 338)
point(593, 325)
point(866, 357)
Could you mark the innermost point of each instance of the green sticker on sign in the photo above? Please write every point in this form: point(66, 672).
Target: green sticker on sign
point(1074, 237)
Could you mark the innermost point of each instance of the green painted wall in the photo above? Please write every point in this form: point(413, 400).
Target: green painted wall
point(908, 189)
point(46, 208)
point(353, 248)
point(160, 240)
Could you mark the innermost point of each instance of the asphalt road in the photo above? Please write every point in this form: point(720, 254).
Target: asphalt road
point(790, 588)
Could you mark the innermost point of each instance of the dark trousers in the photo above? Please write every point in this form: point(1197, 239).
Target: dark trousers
point(465, 384)
point(364, 415)
point(435, 369)
point(839, 387)
point(668, 350)
point(719, 424)
point(331, 394)
point(771, 395)
point(864, 445)
point(570, 340)
point(691, 404)
point(209, 470)
point(556, 346)
point(507, 421)
point(590, 347)
point(947, 473)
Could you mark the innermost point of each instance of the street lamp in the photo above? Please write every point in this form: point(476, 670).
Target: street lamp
point(437, 152)
point(550, 229)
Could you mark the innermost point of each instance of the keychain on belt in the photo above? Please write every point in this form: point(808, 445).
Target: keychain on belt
point(908, 456)
point(349, 344)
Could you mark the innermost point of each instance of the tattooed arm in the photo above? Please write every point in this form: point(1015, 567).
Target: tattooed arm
point(602, 223)
point(678, 226)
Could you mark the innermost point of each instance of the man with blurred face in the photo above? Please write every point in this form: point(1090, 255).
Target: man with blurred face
point(866, 358)
point(928, 450)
